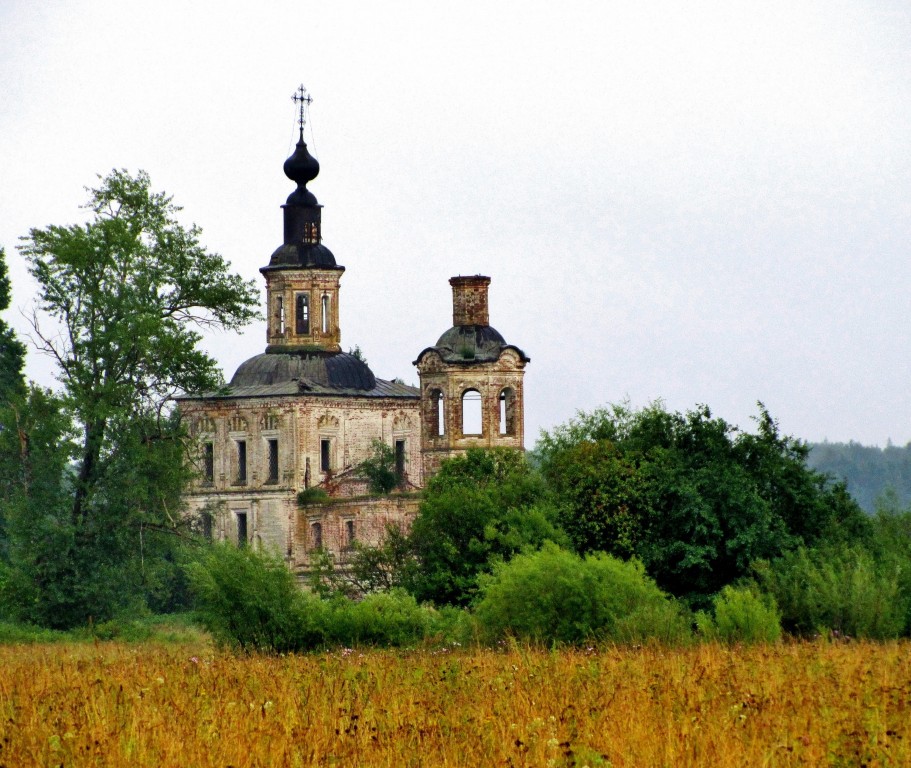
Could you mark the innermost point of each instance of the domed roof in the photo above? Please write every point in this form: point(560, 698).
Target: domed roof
point(311, 370)
point(302, 255)
point(471, 342)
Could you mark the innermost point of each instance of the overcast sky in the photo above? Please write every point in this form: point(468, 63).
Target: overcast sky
point(703, 202)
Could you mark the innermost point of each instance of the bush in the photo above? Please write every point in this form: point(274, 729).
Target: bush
point(742, 615)
point(312, 495)
point(553, 595)
point(251, 601)
point(384, 618)
point(841, 589)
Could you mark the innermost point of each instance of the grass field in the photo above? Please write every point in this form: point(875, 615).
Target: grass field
point(185, 704)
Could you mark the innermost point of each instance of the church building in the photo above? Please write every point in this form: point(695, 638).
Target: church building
point(280, 447)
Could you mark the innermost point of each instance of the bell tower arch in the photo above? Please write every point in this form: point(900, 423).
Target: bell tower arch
point(471, 382)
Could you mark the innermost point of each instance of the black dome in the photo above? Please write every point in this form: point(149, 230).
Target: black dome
point(302, 255)
point(472, 342)
point(336, 370)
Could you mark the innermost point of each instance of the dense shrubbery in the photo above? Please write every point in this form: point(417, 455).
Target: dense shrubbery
point(556, 596)
point(251, 601)
point(742, 615)
point(837, 588)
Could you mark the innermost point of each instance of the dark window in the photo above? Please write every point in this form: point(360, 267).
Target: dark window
point(241, 462)
point(241, 529)
point(325, 449)
point(302, 315)
point(400, 461)
point(316, 536)
point(349, 534)
point(208, 463)
point(206, 521)
point(273, 461)
point(280, 313)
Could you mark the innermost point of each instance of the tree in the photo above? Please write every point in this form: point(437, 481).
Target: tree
point(480, 508)
point(12, 351)
point(693, 497)
point(129, 292)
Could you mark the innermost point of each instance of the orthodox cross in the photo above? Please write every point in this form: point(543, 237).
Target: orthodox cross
point(303, 99)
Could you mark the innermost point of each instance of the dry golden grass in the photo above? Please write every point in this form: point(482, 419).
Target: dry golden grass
point(185, 705)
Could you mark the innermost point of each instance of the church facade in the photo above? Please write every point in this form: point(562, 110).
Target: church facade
point(281, 446)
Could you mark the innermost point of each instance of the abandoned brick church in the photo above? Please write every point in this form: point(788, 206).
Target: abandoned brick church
point(304, 414)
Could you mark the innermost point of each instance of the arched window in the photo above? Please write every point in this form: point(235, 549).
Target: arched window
point(471, 412)
point(508, 411)
point(280, 314)
point(434, 414)
point(325, 313)
point(302, 314)
point(316, 535)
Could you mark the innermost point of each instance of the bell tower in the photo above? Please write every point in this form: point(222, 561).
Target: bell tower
point(302, 278)
point(471, 382)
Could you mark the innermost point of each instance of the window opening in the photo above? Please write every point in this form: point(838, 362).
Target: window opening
point(471, 412)
point(208, 463)
point(206, 520)
point(302, 315)
point(280, 313)
point(273, 461)
point(325, 464)
point(400, 461)
point(349, 534)
point(325, 313)
point(241, 462)
point(241, 529)
point(507, 412)
point(441, 413)
point(316, 536)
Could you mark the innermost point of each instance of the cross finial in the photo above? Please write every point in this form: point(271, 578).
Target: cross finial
point(303, 99)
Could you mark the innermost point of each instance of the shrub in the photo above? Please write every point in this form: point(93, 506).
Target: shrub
point(312, 495)
point(384, 618)
point(251, 601)
point(742, 615)
point(553, 595)
point(839, 588)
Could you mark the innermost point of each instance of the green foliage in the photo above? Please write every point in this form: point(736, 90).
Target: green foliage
point(839, 588)
point(379, 468)
point(391, 618)
point(742, 615)
point(693, 497)
point(127, 292)
point(553, 595)
point(312, 495)
point(251, 601)
point(479, 508)
point(12, 351)
point(392, 564)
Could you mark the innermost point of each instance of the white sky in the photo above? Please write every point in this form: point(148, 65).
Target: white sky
point(705, 202)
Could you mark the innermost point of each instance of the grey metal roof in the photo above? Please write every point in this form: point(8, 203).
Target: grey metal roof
point(307, 373)
point(290, 388)
point(469, 344)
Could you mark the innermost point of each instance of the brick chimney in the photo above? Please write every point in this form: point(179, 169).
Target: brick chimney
point(469, 300)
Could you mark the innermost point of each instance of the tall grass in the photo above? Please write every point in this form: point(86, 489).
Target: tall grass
point(162, 705)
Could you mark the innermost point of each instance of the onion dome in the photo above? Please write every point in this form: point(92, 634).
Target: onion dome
point(301, 167)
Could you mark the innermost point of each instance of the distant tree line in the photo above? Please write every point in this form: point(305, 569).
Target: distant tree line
point(869, 472)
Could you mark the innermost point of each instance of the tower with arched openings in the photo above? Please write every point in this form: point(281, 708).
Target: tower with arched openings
point(471, 382)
